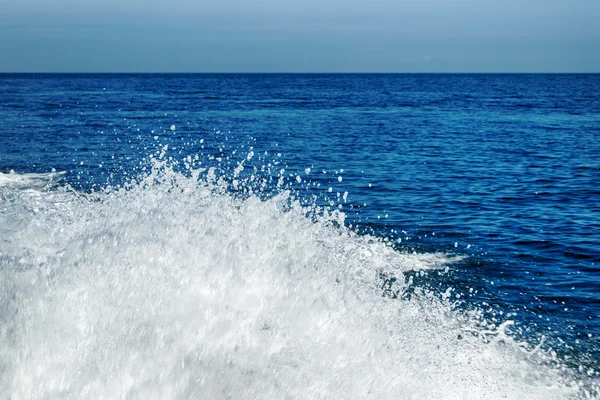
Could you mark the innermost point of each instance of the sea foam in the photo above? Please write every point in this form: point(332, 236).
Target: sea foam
point(176, 287)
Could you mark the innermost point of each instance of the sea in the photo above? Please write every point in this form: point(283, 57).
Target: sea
point(300, 236)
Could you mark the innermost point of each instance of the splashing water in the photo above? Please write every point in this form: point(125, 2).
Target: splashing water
point(173, 286)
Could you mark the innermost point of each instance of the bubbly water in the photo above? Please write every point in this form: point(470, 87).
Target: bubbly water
point(229, 273)
point(173, 287)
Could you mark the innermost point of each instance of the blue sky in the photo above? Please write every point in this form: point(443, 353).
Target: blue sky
point(307, 36)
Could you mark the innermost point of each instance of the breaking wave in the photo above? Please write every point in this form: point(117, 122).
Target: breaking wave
point(175, 286)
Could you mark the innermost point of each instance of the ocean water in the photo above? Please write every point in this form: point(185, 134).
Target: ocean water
point(300, 236)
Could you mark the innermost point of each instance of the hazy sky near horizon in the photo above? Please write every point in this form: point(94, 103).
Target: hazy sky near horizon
point(308, 36)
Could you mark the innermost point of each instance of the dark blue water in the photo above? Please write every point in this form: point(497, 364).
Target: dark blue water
point(503, 170)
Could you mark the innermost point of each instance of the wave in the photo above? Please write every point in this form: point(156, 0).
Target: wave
point(31, 180)
point(174, 286)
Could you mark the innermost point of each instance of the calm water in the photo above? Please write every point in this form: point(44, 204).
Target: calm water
point(168, 261)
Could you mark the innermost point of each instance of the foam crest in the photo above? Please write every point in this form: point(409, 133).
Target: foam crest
point(174, 287)
point(30, 181)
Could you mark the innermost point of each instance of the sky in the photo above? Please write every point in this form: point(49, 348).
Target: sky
point(299, 36)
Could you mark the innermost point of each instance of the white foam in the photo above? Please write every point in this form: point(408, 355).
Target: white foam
point(176, 289)
point(30, 180)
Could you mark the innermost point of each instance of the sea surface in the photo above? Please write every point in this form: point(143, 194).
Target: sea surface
point(321, 236)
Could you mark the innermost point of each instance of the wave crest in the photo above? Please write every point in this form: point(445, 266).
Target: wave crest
point(173, 286)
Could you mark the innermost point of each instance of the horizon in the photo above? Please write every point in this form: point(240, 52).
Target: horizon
point(317, 36)
point(293, 73)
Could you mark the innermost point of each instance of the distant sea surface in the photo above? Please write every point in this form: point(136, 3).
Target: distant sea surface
point(299, 236)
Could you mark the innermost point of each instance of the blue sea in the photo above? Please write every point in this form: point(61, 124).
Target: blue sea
point(318, 236)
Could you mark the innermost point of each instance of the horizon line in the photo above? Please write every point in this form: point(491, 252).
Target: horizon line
point(291, 73)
